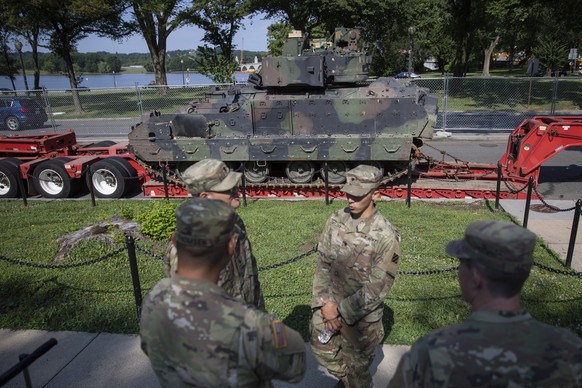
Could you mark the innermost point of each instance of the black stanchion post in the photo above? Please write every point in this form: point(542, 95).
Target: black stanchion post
point(573, 234)
point(134, 273)
point(243, 182)
point(498, 190)
point(91, 187)
point(527, 201)
point(409, 188)
point(25, 373)
point(20, 182)
point(326, 183)
point(165, 178)
point(29, 359)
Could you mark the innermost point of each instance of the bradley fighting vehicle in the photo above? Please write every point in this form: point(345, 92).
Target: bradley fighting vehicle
point(309, 108)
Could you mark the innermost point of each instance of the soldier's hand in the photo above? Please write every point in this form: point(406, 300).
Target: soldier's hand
point(333, 324)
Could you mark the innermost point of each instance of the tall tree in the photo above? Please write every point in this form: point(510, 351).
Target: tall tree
point(7, 62)
point(69, 21)
point(156, 20)
point(220, 20)
point(27, 18)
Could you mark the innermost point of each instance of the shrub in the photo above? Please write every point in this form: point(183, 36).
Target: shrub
point(158, 219)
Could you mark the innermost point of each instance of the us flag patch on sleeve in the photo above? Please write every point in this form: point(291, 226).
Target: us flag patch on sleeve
point(279, 334)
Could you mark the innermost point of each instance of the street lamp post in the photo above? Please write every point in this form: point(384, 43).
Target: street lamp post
point(182, 70)
point(411, 31)
point(114, 82)
point(18, 46)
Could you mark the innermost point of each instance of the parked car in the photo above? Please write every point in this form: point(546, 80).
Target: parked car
point(80, 89)
point(7, 92)
point(407, 74)
point(18, 112)
point(542, 73)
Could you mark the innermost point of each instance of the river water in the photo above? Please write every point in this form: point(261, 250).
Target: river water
point(97, 81)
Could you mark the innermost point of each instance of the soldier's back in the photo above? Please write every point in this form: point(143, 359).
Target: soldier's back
point(197, 335)
point(523, 352)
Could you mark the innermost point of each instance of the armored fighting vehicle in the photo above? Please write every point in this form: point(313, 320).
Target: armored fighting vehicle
point(312, 107)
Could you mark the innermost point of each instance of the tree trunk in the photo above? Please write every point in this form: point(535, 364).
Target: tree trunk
point(73, 82)
point(488, 53)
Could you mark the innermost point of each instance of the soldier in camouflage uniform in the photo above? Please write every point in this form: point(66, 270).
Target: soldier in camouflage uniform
point(211, 178)
point(500, 344)
point(197, 335)
point(358, 257)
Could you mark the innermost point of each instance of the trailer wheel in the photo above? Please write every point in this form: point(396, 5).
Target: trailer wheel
point(9, 178)
point(51, 179)
point(104, 143)
point(110, 178)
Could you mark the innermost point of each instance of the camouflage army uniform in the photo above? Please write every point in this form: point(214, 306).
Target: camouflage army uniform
point(233, 345)
point(197, 335)
point(493, 349)
point(240, 278)
point(357, 262)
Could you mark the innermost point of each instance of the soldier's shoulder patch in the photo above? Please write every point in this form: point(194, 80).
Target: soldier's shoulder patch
point(279, 335)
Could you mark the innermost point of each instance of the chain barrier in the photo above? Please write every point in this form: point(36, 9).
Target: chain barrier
point(540, 197)
point(149, 253)
point(558, 271)
point(63, 266)
point(511, 189)
point(297, 258)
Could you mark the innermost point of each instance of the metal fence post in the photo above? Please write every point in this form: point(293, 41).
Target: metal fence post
point(527, 201)
point(90, 184)
point(445, 100)
point(409, 186)
point(573, 234)
point(326, 183)
point(139, 101)
point(47, 103)
point(554, 94)
point(165, 179)
point(498, 190)
point(20, 183)
point(130, 244)
point(243, 182)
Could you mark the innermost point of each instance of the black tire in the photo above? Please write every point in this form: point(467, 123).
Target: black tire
point(12, 123)
point(51, 180)
point(104, 143)
point(9, 178)
point(110, 178)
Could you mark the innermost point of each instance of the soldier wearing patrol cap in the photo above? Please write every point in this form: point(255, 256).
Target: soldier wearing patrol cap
point(500, 344)
point(358, 257)
point(194, 333)
point(211, 178)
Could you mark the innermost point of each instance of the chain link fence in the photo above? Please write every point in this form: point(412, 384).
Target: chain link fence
point(465, 104)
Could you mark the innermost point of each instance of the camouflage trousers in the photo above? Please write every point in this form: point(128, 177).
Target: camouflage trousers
point(349, 354)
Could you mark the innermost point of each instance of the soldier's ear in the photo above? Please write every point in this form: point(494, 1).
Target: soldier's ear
point(232, 244)
point(203, 194)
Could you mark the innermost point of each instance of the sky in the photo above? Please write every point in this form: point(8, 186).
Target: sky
point(252, 37)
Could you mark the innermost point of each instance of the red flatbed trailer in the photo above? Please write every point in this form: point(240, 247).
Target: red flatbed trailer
point(56, 166)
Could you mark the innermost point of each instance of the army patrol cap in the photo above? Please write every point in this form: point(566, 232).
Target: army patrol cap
point(204, 222)
point(498, 245)
point(210, 175)
point(361, 180)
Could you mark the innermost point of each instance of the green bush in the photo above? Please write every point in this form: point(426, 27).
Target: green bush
point(157, 220)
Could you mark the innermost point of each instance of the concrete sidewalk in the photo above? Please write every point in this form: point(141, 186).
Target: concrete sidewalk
point(113, 360)
point(101, 359)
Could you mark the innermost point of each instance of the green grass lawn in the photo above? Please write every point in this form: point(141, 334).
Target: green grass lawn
point(99, 297)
